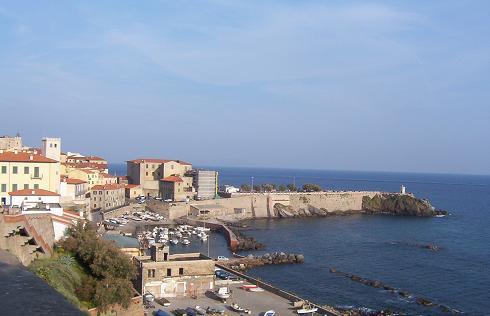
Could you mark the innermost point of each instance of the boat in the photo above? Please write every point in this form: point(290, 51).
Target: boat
point(239, 309)
point(174, 241)
point(185, 242)
point(269, 313)
point(222, 293)
point(306, 309)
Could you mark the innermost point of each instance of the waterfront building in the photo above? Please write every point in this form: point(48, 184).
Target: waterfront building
point(148, 173)
point(129, 245)
point(22, 170)
point(173, 275)
point(174, 188)
point(107, 196)
point(105, 178)
point(205, 183)
point(133, 191)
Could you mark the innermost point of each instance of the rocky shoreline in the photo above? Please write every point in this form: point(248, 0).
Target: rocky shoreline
point(420, 300)
point(380, 204)
point(251, 261)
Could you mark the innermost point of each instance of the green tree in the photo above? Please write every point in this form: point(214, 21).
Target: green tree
point(282, 188)
point(245, 188)
point(292, 188)
point(267, 187)
point(257, 188)
point(311, 187)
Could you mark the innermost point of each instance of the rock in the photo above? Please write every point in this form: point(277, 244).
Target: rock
point(403, 294)
point(424, 301)
point(300, 258)
point(398, 204)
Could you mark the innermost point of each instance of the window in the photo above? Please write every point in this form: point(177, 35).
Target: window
point(95, 205)
point(95, 192)
point(4, 187)
point(36, 186)
point(51, 145)
point(151, 273)
point(36, 172)
point(15, 169)
point(55, 145)
point(146, 173)
point(4, 169)
point(181, 271)
point(169, 272)
point(26, 186)
point(14, 187)
point(146, 165)
point(26, 170)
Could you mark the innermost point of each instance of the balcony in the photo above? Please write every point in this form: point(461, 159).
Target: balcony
point(37, 176)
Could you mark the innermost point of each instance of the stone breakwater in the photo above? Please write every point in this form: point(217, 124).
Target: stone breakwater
point(251, 261)
point(420, 300)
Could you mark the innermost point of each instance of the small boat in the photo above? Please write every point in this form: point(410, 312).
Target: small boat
point(306, 309)
point(270, 313)
point(237, 308)
point(185, 242)
point(222, 293)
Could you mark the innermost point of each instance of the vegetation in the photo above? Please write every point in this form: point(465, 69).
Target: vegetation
point(310, 187)
point(89, 271)
point(282, 188)
point(292, 188)
point(245, 188)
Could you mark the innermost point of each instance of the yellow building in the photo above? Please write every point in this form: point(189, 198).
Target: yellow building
point(22, 170)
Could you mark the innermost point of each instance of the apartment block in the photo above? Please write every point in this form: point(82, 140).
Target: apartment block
point(22, 170)
point(108, 196)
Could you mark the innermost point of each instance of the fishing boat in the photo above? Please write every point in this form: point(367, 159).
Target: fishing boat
point(270, 313)
point(185, 242)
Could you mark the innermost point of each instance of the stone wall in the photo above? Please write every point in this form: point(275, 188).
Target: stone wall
point(261, 205)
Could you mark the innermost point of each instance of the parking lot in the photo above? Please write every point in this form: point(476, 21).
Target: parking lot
point(256, 302)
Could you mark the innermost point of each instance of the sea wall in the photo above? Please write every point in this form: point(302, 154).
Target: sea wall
point(269, 205)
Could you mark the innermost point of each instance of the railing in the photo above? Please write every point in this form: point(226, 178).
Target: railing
point(36, 176)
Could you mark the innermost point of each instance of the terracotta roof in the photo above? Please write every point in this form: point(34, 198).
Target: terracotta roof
point(130, 186)
point(23, 157)
point(72, 180)
point(152, 160)
point(113, 186)
point(106, 175)
point(172, 179)
point(95, 158)
point(33, 192)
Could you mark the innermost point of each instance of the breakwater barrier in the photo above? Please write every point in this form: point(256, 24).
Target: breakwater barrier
point(323, 310)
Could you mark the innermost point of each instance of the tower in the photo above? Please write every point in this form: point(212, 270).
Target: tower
point(51, 148)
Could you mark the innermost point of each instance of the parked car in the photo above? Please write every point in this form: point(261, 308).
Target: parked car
point(223, 275)
point(180, 312)
point(222, 258)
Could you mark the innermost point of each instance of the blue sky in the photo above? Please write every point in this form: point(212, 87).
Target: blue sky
point(352, 85)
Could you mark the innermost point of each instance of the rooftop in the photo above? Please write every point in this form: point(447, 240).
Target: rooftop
point(33, 192)
point(122, 241)
point(172, 179)
point(153, 160)
point(9, 156)
point(113, 186)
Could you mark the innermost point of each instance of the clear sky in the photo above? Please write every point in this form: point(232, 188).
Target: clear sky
point(352, 85)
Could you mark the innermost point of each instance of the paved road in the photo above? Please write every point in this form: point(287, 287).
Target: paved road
point(23, 293)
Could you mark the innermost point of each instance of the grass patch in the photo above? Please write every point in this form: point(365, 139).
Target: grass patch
point(62, 272)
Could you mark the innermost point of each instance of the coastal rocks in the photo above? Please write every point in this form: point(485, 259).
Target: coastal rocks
point(430, 246)
point(423, 301)
point(398, 204)
point(248, 243)
point(252, 261)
